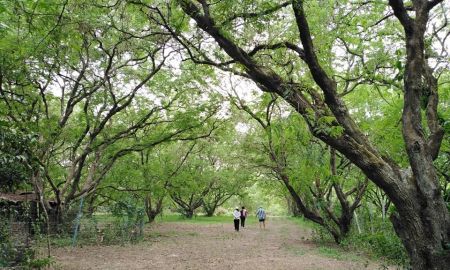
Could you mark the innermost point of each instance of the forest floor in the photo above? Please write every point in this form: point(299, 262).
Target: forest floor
point(284, 244)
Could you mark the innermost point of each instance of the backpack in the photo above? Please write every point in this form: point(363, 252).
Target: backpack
point(261, 213)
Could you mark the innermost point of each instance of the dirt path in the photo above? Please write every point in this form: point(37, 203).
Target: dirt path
point(282, 245)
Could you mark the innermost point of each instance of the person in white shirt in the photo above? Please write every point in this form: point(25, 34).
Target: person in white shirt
point(237, 216)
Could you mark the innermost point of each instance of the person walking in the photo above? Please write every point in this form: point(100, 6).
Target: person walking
point(244, 214)
point(237, 216)
point(261, 215)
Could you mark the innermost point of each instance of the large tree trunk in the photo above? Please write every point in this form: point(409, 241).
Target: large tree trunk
point(209, 208)
point(422, 224)
point(151, 212)
point(421, 230)
point(292, 207)
point(188, 213)
point(423, 221)
point(151, 215)
point(209, 211)
point(91, 205)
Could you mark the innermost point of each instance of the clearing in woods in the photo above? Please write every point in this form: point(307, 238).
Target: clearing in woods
point(183, 245)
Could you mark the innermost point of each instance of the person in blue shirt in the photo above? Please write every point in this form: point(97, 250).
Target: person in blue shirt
point(261, 215)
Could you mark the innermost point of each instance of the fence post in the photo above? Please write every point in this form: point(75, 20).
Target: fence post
point(77, 222)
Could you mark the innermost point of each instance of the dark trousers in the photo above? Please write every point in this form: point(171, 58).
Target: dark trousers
point(236, 224)
point(242, 221)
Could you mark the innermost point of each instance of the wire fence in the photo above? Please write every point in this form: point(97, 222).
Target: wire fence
point(24, 241)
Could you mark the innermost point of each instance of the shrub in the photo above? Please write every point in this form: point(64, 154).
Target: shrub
point(88, 231)
point(19, 256)
point(385, 244)
point(121, 232)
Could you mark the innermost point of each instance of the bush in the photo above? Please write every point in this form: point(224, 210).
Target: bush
point(321, 235)
point(12, 254)
point(40, 263)
point(121, 232)
point(378, 240)
point(88, 231)
point(221, 211)
point(18, 255)
point(383, 244)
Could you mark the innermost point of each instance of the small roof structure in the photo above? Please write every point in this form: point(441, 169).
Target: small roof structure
point(22, 197)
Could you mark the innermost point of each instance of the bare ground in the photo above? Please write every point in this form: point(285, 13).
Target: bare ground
point(282, 245)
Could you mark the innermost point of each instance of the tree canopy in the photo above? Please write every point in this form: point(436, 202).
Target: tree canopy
point(330, 106)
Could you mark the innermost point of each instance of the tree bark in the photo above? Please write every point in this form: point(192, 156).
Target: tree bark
point(422, 221)
point(151, 212)
point(424, 229)
point(188, 213)
point(292, 207)
point(209, 210)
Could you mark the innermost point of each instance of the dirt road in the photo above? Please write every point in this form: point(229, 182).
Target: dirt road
point(282, 245)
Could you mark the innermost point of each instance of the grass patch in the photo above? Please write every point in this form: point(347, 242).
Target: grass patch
point(58, 241)
point(331, 253)
point(302, 222)
point(337, 253)
point(382, 245)
point(174, 234)
point(201, 219)
point(294, 250)
point(106, 218)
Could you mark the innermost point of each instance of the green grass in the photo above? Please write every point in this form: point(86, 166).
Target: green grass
point(302, 222)
point(331, 253)
point(337, 253)
point(201, 219)
point(108, 218)
point(382, 245)
point(55, 241)
point(61, 241)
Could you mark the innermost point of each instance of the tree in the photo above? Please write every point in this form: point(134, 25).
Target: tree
point(422, 220)
point(93, 91)
point(229, 174)
point(146, 173)
point(308, 172)
point(16, 158)
point(192, 183)
point(158, 172)
point(229, 179)
point(220, 192)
